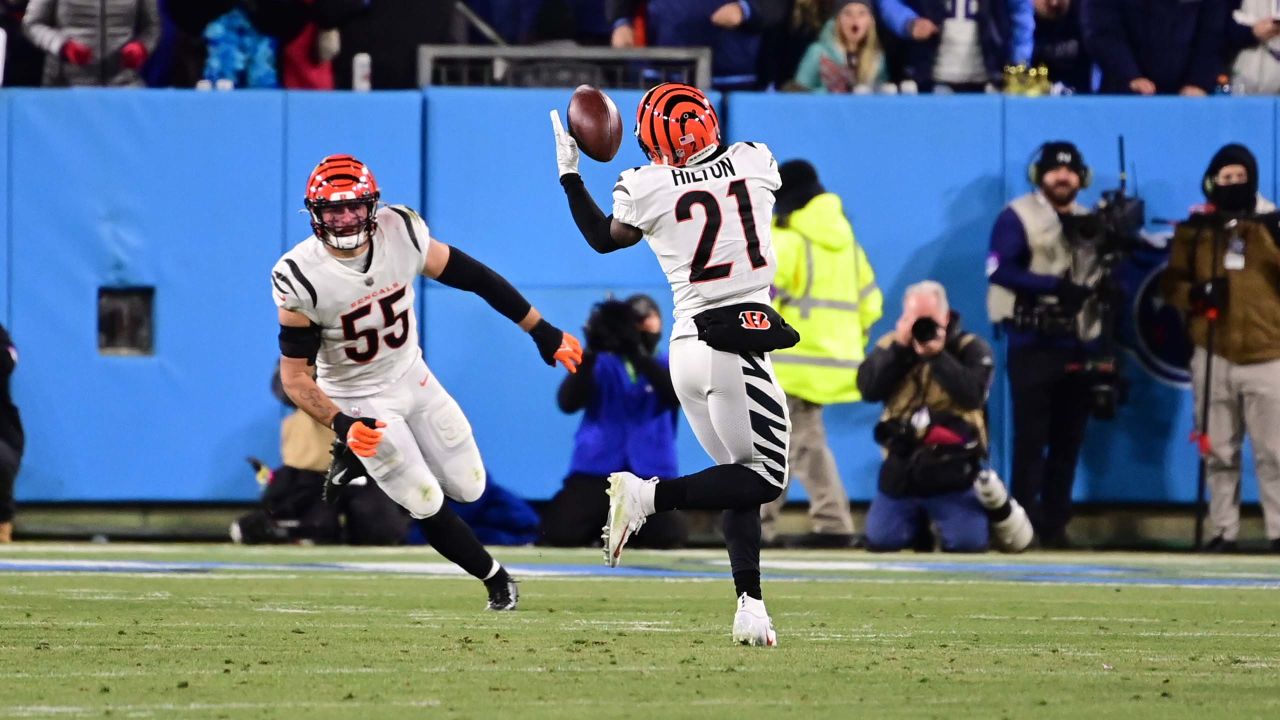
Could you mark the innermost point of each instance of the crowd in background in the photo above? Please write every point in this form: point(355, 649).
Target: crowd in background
point(1032, 47)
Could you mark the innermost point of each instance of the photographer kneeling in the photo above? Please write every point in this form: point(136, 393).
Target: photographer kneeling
point(933, 379)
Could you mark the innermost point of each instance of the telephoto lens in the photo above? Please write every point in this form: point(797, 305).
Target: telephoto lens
point(924, 330)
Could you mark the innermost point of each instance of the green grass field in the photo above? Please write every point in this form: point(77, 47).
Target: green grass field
point(183, 631)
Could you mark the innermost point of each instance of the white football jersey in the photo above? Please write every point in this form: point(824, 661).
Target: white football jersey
point(708, 224)
point(368, 328)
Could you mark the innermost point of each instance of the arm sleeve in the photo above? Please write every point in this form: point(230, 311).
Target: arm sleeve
point(966, 375)
point(576, 389)
point(147, 25)
point(38, 26)
point(1011, 255)
point(898, 17)
point(809, 73)
point(590, 219)
point(1206, 46)
point(1022, 17)
point(1104, 36)
point(660, 377)
point(883, 370)
point(870, 299)
point(465, 273)
point(1175, 283)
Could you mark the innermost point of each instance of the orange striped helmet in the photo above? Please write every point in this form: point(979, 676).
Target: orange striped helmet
point(676, 124)
point(337, 182)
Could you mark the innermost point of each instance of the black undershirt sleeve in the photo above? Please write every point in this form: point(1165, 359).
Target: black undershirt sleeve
point(466, 273)
point(591, 220)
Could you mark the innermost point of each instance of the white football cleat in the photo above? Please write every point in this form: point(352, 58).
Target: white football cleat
point(751, 624)
point(626, 514)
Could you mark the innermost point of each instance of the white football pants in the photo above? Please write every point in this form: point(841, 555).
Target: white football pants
point(427, 449)
point(735, 405)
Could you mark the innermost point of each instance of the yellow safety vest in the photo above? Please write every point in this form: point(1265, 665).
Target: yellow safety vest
point(827, 291)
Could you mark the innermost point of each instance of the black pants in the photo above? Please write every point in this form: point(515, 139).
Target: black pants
point(1050, 409)
point(10, 459)
point(573, 518)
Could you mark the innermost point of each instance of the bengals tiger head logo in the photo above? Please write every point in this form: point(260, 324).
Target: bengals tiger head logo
point(754, 320)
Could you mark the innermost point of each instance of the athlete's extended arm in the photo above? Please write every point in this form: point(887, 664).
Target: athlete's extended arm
point(299, 343)
point(603, 234)
point(454, 268)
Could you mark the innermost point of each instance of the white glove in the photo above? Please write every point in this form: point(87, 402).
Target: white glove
point(566, 147)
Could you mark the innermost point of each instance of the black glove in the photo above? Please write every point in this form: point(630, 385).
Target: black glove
point(342, 423)
point(1072, 296)
point(1210, 295)
point(548, 338)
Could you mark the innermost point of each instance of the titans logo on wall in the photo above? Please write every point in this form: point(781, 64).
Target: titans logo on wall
point(1153, 332)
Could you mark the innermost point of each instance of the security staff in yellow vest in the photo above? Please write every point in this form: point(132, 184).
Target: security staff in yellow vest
point(1041, 296)
point(825, 289)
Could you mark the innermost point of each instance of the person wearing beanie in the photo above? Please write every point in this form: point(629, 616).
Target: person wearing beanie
point(826, 289)
point(1041, 297)
point(1224, 274)
point(847, 53)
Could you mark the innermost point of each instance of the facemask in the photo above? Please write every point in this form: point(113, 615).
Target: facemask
point(1237, 198)
point(650, 340)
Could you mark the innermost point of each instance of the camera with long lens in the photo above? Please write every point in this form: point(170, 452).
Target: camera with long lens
point(897, 436)
point(925, 330)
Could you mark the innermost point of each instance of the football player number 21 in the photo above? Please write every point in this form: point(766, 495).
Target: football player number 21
point(370, 335)
point(699, 271)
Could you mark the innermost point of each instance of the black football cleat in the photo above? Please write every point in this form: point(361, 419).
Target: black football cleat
point(504, 595)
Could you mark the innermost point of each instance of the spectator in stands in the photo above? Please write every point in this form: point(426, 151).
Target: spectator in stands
point(1059, 45)
point(962, 46)
point(1253, 39)
point(933, 379)
point(1224, 273)
point(93, 42)
point(783, 45)
point(731, 29)
point(11, 437)
point(1149, 47)
point(827, 291)
point(847, 53)
point(23, 62)
point(390, 31)
point(629, 424)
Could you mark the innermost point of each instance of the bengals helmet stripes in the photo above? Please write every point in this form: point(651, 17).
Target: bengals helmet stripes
point(676, 125)
point(337, 181)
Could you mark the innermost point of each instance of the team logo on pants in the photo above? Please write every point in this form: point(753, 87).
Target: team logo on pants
point(754, 320)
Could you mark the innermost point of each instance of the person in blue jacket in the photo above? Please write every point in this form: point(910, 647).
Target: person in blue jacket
point(628, 423)
point(1149, 47)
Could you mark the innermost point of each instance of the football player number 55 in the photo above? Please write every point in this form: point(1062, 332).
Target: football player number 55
point(369, 335)
point(699, 271)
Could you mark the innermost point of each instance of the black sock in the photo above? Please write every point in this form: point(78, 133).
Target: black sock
point(454, 540)
point(742, 537)
point(720, 487)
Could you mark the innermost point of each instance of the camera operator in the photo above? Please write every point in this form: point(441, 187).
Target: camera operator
point(933, 379)
point(629, 423)
point(1042, 296)
point(1224, 273)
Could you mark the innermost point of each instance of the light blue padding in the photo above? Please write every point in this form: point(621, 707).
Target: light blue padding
point(174, 189)
point(921, 179)
point(1144, 454)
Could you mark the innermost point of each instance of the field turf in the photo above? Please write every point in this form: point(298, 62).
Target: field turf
point(196, 631)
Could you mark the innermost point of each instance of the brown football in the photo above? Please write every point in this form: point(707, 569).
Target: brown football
point(595, 123)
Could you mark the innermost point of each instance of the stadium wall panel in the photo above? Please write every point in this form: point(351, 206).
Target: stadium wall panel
point(197, 193)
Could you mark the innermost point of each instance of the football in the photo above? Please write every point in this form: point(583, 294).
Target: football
point(595, 123)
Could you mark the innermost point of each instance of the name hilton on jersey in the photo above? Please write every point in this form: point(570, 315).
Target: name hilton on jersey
point(722, 168)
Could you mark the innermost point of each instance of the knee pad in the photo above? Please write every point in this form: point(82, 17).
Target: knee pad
point(469, 491)
point(1013, 534)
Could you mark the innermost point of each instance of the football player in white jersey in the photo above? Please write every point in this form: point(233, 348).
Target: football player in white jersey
point(705, 209)
point(345, 299)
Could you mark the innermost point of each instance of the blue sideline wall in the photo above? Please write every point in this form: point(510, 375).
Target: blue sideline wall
point(197, 194)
